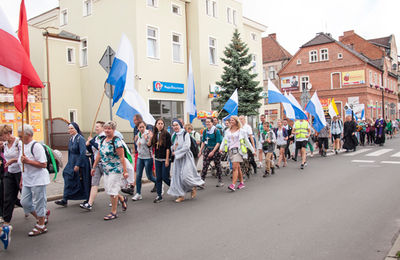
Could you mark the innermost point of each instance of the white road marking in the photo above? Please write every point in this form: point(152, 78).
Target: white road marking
point(362, 161)
point(357, 152)
point(396, 155)
point(391, 162)
point(379, 152)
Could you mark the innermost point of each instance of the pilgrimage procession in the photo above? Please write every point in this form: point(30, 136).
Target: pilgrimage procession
point(132, 159)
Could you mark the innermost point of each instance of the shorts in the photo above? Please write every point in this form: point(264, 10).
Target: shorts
point(98, 173)
point(282, 146)
point(112, 183)
point(323, 141)
point(336, 136)
point(301, 144)
point(259, 145)
point(235, 156)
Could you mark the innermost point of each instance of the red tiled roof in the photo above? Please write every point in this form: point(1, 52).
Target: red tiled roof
point(273, 51)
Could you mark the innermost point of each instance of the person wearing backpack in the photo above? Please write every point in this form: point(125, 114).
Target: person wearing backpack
point(185, 177)
point(337, 133)
point(76, 174)
point(210, 144)
point(145, 159)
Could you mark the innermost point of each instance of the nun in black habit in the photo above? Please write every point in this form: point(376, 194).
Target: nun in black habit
point(76, 174)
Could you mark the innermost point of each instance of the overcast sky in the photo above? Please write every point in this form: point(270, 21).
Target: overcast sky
point(294, 21)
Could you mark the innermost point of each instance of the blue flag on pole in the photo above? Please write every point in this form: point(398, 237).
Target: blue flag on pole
point(232, 105)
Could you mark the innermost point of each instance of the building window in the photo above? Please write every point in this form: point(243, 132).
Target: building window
point(212, 45)
point(304, 80)
point(64, 17)
point(254, 63)
point(152, 3)
point(340, 56)
point(380, 81)
point(229, 15)
point(298, 62)
point(71, 55)
point(152, 42)
point(177, 47)
point(313, 56)
point(84, 53)
point(167, 110)
point(87, 7)
point(271, 72)
point(234, 17)
point(211, 8)
point(73, 115)
point(323, 55)
point(376, 79)
point(265, 73)
point(370, 77)
point(254, 36)
point(176, 9)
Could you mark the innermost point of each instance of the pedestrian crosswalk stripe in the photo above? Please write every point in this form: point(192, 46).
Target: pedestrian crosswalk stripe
point(379, 152)
point(396, 155)
point(357, 152)
point(362, 161)
point(391, 162)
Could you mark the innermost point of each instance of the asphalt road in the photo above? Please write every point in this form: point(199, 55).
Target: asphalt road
point(340, 208)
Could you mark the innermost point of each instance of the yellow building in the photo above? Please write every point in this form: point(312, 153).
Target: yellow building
point(74, 36)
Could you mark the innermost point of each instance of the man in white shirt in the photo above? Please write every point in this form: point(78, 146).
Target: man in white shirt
point(35, 177)
point(249, 132)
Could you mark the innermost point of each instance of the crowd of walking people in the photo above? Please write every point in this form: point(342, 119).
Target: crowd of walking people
point(167, 158)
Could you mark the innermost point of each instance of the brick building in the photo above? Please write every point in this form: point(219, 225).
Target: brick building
point(274, 58)
point(351, 70)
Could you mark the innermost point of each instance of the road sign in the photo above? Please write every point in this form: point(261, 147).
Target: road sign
point(107, 59)
point(109, 90)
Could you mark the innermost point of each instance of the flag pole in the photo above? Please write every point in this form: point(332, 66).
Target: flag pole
point(23, 131)
point(97, 112)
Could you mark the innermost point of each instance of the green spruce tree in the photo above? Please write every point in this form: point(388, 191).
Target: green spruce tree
point(238, 75)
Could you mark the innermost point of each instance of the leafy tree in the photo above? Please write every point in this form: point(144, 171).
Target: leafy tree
point(238, 75)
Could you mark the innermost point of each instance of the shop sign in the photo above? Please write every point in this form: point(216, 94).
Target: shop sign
point(290, 83)
point(159, 86)
point(353, 77)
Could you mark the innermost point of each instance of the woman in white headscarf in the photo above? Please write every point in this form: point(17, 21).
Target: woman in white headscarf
point(185, 177)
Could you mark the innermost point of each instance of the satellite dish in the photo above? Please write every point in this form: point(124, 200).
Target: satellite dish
point(309, 86)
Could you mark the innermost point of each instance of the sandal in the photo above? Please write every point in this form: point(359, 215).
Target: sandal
point(125, 204)
point(110, 216)
point(36, 231)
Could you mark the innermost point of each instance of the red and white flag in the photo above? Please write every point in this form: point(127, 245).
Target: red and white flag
point(16, 70)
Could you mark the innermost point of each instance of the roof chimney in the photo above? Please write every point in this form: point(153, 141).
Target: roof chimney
point(272, 35)
point(347, 33)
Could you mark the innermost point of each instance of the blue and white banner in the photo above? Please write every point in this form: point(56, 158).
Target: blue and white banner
point(191, 93)
point(298, 111)
point(122, 75)
point(314, 107)
point(232, 105)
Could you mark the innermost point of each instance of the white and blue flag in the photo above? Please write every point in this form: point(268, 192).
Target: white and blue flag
point(298, 111)
point(232, 105)
point(314, 107)
point(122, 76)
point(191, 93)
point(288, 107)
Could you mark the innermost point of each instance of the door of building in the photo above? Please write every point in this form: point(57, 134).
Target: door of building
point(335, 77)
point(167, 109)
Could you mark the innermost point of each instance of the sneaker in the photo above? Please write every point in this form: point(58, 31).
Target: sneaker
point(336, 152)
point(305, 164)
point(302, 166)
point(231, 187)
point(201, 187)
point(265, 174)
point(158, 199)
point(240, 186)
point(154, 189)
point(86, 206)
point(220, 184)
point(130, 190)
point(273, 170)
point(137, 197)
point(5, 236)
